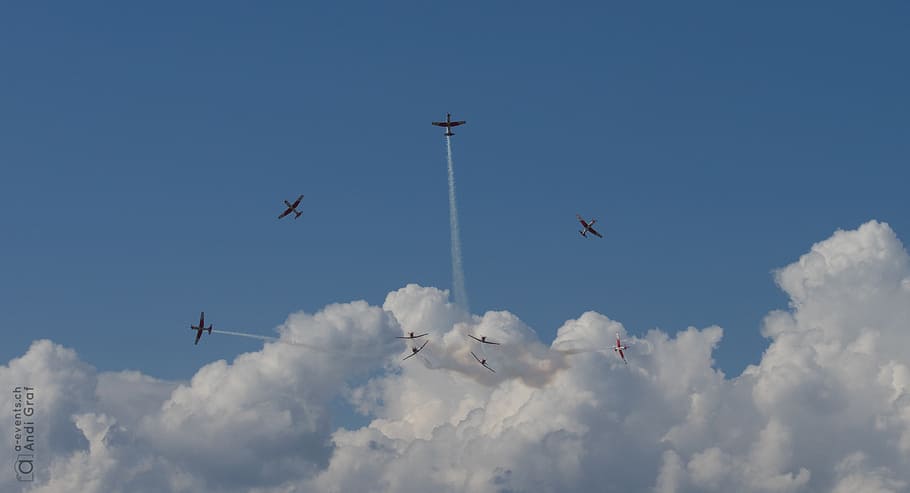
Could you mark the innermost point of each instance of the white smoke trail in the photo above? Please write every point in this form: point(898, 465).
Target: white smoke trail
point(241, 334)
point(461, 294)
point(292, 343)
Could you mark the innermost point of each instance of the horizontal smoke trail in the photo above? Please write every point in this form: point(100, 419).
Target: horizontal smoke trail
point(290, 343)
point(241, 334)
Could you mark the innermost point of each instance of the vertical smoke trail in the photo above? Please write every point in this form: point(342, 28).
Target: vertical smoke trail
point(461, 295)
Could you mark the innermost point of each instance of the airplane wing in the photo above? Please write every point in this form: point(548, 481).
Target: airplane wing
point(421, 335)
point(475, 357)
point(491, 342)
point(582, 221)
point(198, 335)
point(297, 202)
point(414, 353)
point(440, 124)
point(623, 356)
point(201, 319)
point(488, 368)
point(455, 124)
point(476, 339)
point(592, 230)
point(285, 213)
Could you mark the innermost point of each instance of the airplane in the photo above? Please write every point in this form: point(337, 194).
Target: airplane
point(483, 362)
point(483, 339)
point(448, 124)
point(292, 208)
point(411, 336)
point(201, 327)
point(587, 227)
point(414, 351)
point(618, 348)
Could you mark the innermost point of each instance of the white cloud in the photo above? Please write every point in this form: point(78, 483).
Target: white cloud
point(854, 475)
point(826, 409)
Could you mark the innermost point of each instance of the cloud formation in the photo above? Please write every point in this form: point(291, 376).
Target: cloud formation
point(826, 409)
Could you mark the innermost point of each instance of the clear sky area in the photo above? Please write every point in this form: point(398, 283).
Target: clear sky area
point(146, 150)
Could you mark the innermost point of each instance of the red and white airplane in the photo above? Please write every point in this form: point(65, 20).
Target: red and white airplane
point(292, 208)
point(618, 348)
point(448, 124)
point(483, 339)
point(201, 327)
point(587, 227)
point(414, 351)
point(411, 336)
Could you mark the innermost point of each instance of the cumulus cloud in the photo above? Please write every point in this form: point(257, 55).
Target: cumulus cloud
point(257, 421)
point(826, 409)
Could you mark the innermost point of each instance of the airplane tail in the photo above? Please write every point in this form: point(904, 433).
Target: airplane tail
point(449, 132)
point(209, 328)
point(297, 214)
point(583, 233)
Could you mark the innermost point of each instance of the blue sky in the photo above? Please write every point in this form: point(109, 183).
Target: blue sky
point(146, 151)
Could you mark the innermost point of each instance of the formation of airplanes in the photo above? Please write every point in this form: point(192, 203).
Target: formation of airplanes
point(291, 207)
point(416, 349)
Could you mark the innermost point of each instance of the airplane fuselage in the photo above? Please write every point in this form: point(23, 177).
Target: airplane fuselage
point(587, 227)
point(201, 327)
point(292, 207)
point(448, 124)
